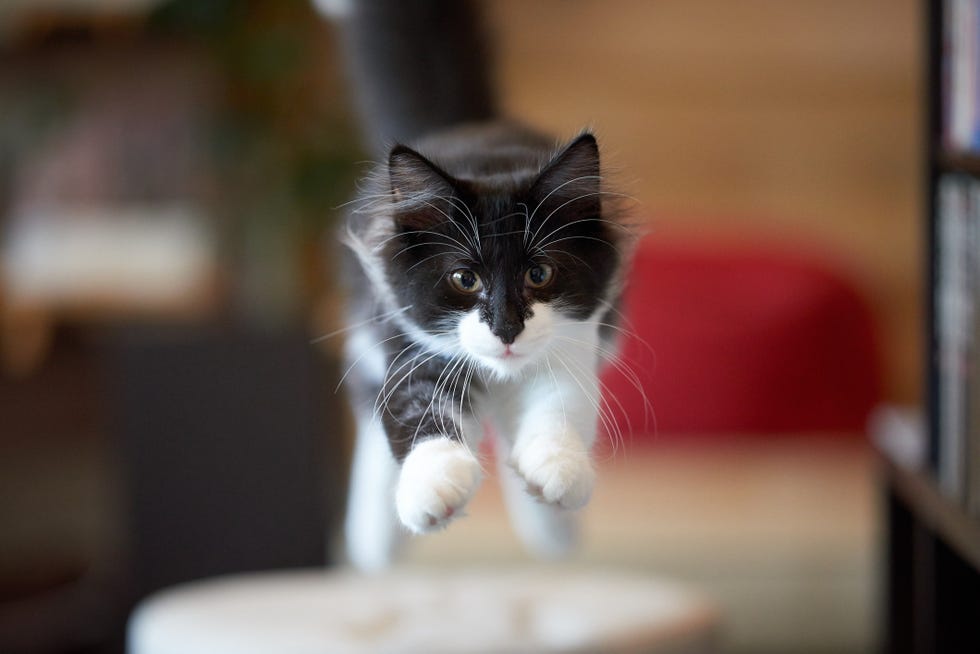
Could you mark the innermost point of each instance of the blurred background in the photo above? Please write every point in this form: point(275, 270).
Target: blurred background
point(170, 173)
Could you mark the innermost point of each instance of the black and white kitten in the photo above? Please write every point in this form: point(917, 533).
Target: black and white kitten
point(486, 269)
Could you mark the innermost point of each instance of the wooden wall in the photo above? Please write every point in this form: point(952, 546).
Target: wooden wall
point(785, 120)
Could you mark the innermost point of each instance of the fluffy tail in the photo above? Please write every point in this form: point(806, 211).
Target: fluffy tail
point(415, 67)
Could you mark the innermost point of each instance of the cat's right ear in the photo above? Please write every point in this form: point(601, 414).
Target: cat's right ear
point(420, 190)
point(571, 182)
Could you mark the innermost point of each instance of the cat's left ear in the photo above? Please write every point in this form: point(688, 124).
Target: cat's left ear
point(414, 176)
point(419, 189)
point(570, 181)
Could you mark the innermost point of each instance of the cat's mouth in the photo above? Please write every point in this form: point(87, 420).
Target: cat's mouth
point(511, 355)
point(506, 361)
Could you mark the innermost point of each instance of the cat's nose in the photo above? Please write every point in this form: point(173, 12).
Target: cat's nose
point(507, 331)
point(505, 317)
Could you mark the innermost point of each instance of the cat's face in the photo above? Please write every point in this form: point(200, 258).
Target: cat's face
point(500, 272)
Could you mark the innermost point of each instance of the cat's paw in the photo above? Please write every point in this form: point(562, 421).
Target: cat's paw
point(438, 478)
point(557, 471)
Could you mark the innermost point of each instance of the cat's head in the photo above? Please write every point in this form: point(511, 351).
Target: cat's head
point(504, 266)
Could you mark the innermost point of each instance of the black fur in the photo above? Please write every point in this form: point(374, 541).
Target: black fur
point(461, 201)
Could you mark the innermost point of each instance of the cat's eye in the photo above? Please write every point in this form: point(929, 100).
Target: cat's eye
point(539, 275)
point(466, 281)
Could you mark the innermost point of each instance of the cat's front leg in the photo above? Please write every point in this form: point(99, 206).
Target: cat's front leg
point(556, 465)
point(437, 480)
point(552, 447)
point(433, 437)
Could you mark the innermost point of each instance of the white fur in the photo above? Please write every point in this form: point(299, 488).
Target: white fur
point(438, 478)
point(363, 348)
point(549, 422)
point(480, 343)
point(336, 9)
point(548, 531)
point(556, 466)
point(371, 527)
point(543, 403)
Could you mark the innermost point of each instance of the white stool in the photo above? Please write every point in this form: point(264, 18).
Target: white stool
point(534, 609)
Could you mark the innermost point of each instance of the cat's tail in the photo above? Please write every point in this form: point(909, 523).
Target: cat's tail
point(415, 67)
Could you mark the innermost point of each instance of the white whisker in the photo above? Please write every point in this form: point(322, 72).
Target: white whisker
point(380, 318)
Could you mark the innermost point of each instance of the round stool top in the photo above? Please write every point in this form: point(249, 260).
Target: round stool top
point(536, 609)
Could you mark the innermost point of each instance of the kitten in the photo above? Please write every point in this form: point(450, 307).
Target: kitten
point(487, 263)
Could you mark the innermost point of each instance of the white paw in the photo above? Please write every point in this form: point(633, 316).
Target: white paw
point(557, 470)
point(438, 478)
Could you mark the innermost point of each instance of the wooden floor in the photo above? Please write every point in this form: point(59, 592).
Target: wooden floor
point(759, 119)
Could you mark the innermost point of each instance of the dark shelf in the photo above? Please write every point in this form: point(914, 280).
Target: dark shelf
point(948, 520)
point(932, 547)
point(958, 162)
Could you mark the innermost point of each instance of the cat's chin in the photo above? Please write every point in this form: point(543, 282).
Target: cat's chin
point(504, 367)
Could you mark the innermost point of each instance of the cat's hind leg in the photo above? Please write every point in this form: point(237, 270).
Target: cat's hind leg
point(373, 533)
